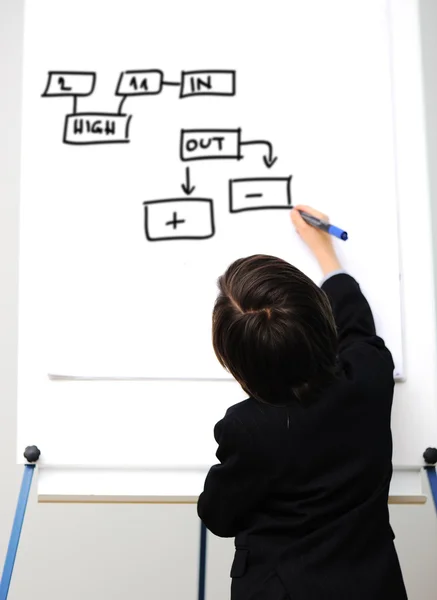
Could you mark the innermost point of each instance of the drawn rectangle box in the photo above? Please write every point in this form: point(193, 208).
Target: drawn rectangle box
point(140, 83)
point(259, 193)
point(179, 219)
point(207, 144)
point(207, 83)
point(96, 128)
point(70, 83)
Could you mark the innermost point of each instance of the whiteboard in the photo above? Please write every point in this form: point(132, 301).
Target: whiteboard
point(157, 150)
point(130, 287)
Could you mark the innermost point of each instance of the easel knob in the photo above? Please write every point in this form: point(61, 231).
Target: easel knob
point(430, 456)
point(32, 454)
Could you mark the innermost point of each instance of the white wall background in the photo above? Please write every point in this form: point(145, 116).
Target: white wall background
point(109, 552)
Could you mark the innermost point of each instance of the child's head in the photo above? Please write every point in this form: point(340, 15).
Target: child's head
point(273, 330)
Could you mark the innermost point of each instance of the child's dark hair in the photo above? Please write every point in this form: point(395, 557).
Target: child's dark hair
point(273, 330)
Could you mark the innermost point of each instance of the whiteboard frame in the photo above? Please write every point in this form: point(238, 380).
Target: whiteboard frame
point(154, 486)
point(79, 483)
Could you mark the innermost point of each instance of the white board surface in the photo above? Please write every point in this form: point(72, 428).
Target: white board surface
point(126, 294)
point(108, 288)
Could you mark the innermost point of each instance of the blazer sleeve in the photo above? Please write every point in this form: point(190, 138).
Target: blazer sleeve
point(235, 486)
point(353, 316)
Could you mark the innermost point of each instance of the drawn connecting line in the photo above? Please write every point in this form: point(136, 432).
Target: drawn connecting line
point(219, 144)
point(113, 128)
point(192, 83)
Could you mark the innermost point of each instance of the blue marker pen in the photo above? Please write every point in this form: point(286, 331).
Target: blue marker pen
point(324, 226)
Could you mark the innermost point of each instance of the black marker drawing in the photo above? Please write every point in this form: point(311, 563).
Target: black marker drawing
point(172, 83)
point(86, 128)
point(207, 83)
point(120, 106)
point(96, 128)
point(70, 83)
point(183, 218)
point(259, 193)
point(186, 187)
point(175, 221)
point(140, 83)
point(269, 160)
point(218, 144)
point(61, 82)
point(179, 219)
point(207, 144)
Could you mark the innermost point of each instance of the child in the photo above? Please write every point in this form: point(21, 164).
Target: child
point(305, 461)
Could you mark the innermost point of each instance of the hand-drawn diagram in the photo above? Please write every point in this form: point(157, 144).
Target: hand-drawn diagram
point(192, 83)
point(259, 193)
point(70, 83)
point(190, 219)
point(186, 187)
point(91, 127)
point(207, 144)
point(96, 128)
point(185, 218)
point(113, 128)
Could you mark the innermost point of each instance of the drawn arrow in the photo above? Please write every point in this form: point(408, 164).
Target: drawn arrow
point(269, 159)
point(186, 186)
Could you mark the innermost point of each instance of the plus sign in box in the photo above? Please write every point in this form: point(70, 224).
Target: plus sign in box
point(179, 219)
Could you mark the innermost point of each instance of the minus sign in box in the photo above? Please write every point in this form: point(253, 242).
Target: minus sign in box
point(70, 83)
point(179, 219)
point(96, 128)
point(140, 83)
point(259, 193)
point(207, 83)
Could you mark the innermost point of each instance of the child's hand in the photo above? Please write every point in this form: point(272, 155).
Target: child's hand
point(319, 242)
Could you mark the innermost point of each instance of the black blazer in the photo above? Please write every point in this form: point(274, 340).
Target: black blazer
point(304, 488)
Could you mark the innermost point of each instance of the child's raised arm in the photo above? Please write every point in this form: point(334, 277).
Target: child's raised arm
point(319, 242)
point(352, 312)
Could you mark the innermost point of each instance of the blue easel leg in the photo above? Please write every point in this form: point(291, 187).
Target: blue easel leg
point(16, 531)
point(202, 562)
point(432, 476)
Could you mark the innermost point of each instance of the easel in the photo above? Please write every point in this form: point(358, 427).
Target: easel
point(32, 454)
point(430, 456)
